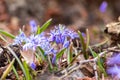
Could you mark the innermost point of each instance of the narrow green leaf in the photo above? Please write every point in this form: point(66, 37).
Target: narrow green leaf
point(15, 72)
point(18, 60)
point(44, 26)
point(60, 53)
point(38, 30)
point(9, 68)
point(69, 56)
point(27, 70)
point(83, 45)
point(41, 53)
point(88, 38)
point(7, 34)
point(100, 64)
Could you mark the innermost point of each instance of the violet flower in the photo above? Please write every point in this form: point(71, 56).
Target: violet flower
point(33, 65)
point(103, 6)
point(113, 66)
point(20, 38)
point(115, 59)
point(114, 72)
point(33, 26)
point(34, 41)
point(60, 34)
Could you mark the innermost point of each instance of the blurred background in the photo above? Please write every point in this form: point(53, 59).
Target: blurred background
point(76, 14)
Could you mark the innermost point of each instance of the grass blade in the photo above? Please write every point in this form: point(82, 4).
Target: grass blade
point(83, 45)
point(44, 26)
point(60, 53)
point(7, 34)
point(88, 38)
point(20, 63)
point(9, 68)
point(100, 64)
point(41, 52)
point(69, 56)
point(27, 70)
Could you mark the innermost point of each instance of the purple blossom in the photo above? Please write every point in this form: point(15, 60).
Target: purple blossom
point(60, 34)
point(114, 71)
point(103, 6)
point(33, 26)
point(115, 59)
point(20, 38)
point(113, 66)
point(66, 44)
point(33, 65)
point(34, 41)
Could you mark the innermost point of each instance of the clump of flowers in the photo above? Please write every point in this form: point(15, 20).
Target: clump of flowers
point(57, 40)
point(113, 66)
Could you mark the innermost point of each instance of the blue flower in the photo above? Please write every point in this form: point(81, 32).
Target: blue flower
point(60, 34)
point(34, 41)
point(33, 26)
point(103, 6)
point(66, 44)
point(33, 65)
point(20, 38)
point(113, 66)
point(114, 72)
point(115, 59)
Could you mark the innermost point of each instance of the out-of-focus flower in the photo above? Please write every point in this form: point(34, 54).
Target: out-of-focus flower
point(20, 38)
point(114, 72)
point(66, 44)
point(33, 65)
point(113, 66)
point(103, 6)
point(33, 26)
point(115, 59)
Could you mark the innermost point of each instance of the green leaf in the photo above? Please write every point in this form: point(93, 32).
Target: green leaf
point(9, 68)
point(38, 30)
point(60, 53)
point(27, 70)
point(88, 38)
point(41, 53)
point(44, 26)
point(83, 45)
point(7, 34)
point(100, 64)
point(69, 56)
point(18, 60)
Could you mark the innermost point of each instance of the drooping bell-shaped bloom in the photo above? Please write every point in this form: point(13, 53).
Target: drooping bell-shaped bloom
point(103, 6)
point(33, 26)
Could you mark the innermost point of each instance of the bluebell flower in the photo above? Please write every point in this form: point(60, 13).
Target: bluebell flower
point(66, 44)
point(33, 65)
point(54, 59)
point(113, 66)
point(34, 41)
point(33, 26)
point(20, 38)
point(60, 33)
point(114, 72)
point(103, 6)
point(115, 59)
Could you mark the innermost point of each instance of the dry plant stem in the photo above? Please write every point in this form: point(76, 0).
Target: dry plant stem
point(95, 70)
point(77, 66)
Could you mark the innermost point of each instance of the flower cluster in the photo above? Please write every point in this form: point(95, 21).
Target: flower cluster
point(60, 35)
point(113, 64)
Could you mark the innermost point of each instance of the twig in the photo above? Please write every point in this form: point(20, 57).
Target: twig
point(78, 65)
